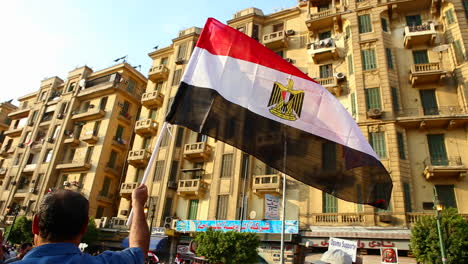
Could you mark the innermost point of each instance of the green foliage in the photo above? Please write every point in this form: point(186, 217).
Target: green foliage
point(21, 232)
point(425, 239)
point(228, 247)
point(92, 234)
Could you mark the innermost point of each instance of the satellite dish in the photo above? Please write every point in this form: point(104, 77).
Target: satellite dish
point(252, 215)
point(82, 83)
point(441, 48)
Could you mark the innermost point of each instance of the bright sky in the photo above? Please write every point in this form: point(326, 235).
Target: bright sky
point(46, 38)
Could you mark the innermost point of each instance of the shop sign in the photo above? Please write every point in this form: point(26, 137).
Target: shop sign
point(271, 207)
point(361, 243)
point(254, 226)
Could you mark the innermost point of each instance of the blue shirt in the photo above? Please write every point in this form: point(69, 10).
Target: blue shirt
point(68, 253)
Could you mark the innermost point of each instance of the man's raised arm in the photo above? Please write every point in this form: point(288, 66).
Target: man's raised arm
point(139, 231)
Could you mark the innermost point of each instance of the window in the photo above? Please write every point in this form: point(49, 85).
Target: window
point(48, 156)
point(96, 126)
point(446, 195)
point(328, 156)
point(131, 86)
point(139, 175)
point(169, 104)
point(329, 203)
point(384, 23)
point(105, 186)
point(165, 139)
point(437, 150)
point(429, 102)
point(174, 170)
point(465, 6)
point(347, 32)
point(71, 87)
point(241, 29)
point(202, 137)
point(269, 170)
point(324, 35)
point(164, 61)
point(64, 179)
point(159, 86)
point(245, 165)
point(459, 54)
point(89, 154)
point(401, 146)
point(412, 21)
point(449, 17)
point(81, 179)
point(159, 170)
point(373, 98)
point(179, 137)
point(223, 204)
point(395, 99)
point(377, 141)
point(17, 159)
point(102, 104)
point(27, 139)
point(278, 27)
point(407, 196)
point(63, 108)
point(56, 131)
point(226, 166)
point(364, 22)
point(280, 53)
point(193, 209)
point(153, 114)
point(33, 117)
point(146, 142)
point(182, 51)
point(353, 104)
point(360, 208)
point(368, 59)
point(119, 132)
point(326, 71)
point(350, 64)
point(112, 159)
point(420, 56)
point(388, 53)
point(71, 155)
point(322, 8)
point(255, 32)
point(176, 77)
point(99, 212)
point(168, 207)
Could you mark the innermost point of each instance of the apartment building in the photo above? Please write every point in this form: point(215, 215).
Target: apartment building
point(72, 134)
point(400, 69)
point(5, 109)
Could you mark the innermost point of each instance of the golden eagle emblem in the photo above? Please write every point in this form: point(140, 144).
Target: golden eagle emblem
point(286, 102)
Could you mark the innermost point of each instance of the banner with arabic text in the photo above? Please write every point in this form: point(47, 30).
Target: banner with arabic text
point(254, 226)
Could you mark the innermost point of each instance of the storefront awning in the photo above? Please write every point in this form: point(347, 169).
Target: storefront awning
point(157, 243)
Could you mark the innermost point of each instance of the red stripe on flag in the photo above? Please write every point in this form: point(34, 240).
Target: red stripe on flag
point(219, 39)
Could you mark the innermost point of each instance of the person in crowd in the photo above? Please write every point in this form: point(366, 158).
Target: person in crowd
point(62, 221)
point(23, 250)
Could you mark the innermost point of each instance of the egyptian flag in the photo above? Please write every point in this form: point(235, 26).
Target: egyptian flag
point(237, 91)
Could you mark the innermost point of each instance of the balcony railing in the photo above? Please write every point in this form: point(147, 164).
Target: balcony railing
point(412, 218)
point(146, 127)
point(441, 110)
point(321, 14)
point(191, 187)
point(30, 168)
point(338, 219)
point(420, 34)
point(160, 72)
point(127, 188)
point(424, 67)
point(267, 183)
point(444, 168)
point(105, 85)
point(426, 73)
point(88, 114)
point(444, 161)
point(324, 49)
point(197, 151)
point(275, 40)
point(138, 158)
point(152, 99)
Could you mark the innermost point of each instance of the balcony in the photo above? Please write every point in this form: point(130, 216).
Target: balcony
point(109, 198)
point(107, 85)
point(331, 84)
point(72, 140)
point(138, 158)
point(90, 137)
point(160, 72)
point(444, 168)
point(199, 151)
point(30, 168)
point(90, 114)
point(119, 142)
point(14, 132)
point(447, 117)
point(337, 219)
point(74, 166)
point(426, 73)
point(125, 117)
point(146, 127)
point(20, 113)
point(4, 152)
point(37, 145)
point(323, 50)
point(418, 35)
point(412, 218)
point(322, 19)
point(193, 187)
point(152, 99)
point(3, 171)
point(127, 188)
point(267, 184)
point(275, 40)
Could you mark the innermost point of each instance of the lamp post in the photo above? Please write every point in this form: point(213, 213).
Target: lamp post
point(438, 208)
point(13, 210)
point(153, 210)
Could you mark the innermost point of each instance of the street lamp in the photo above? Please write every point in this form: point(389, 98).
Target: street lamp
point(151, 204)
point(13, 210)
point(438, 207)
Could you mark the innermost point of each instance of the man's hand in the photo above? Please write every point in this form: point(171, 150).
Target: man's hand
point(140, 196)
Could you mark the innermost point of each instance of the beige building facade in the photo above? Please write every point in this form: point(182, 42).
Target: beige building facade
point(72, 134)
point(5, 109)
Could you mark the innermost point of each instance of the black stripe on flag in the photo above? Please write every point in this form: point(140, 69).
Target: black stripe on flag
point(346, 173)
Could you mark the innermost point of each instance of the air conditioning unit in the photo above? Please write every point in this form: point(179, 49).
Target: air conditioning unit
point(168, 220)
point(289, 60)
point(21, 145)
point(179, 61)
point(66, 184)
point(124, 212)
point(104, 222)
point(290, 32)
point(32, 190)
point(172, 185)
point(340, 76)
point(50, 140)
point(60, 116)
point(91, 106)
point(385, 218)
point(374, 113)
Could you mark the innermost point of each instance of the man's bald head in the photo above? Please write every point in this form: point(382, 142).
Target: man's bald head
point(62, 216)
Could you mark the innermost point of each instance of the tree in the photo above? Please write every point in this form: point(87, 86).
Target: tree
point(228, 247)
point(425, 239)
point(21, 231)
point(92, 234)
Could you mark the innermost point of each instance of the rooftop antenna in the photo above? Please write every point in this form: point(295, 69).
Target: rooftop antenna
point(138, 66)
point(124, 58)
point(156, 47)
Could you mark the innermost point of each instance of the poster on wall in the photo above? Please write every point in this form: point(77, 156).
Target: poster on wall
point(348, 246)
point(271, 207)
point(389, 255)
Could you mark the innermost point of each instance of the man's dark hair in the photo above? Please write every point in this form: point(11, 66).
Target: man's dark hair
point(25, 245)
point(62, 215)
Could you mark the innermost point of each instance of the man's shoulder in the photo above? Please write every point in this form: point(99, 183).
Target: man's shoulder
point(11, 260)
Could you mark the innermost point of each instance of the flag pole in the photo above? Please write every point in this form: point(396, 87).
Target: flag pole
point(283, 213)
point(148, 167)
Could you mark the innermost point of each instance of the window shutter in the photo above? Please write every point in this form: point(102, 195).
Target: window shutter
point(459, 54)
point(353, 104)
point(429, 102)
point(395, 99)
point(377, 141)
point(437, 149)
point(364, 22)
point(446, 195)
point(401, 146)
point(449, 16)
point(465, 6)
point(359, 197)
point(221, 212)
point(350, 64)
point(226, 168)
point(407, 194)
point(388, 52)
point(420, 56)
point(329, 203)
point(193, 208)
point(373, 98)
point(384, 24)
point(328, 156)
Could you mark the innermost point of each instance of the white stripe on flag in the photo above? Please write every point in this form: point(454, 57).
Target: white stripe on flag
point(250, 85)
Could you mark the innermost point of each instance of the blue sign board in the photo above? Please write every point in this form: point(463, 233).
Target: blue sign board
point(254, 226)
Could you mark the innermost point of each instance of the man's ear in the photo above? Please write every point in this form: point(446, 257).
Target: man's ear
point(84, 229)
point(35, 225)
